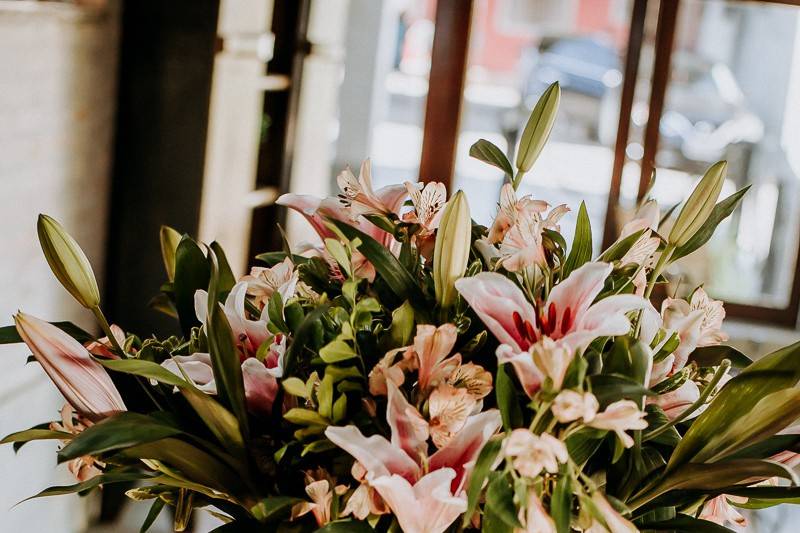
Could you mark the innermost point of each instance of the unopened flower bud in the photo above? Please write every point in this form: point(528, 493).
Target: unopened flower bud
point(451, 252)
point(698, 207)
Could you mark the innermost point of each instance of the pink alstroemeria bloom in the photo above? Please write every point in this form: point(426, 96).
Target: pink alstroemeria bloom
point(719, 511)
point(568, 319)
point(83, 381)
point(510, 210)
point(426, 493)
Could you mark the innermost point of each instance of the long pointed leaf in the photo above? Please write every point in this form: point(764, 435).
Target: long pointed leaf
point(581, 251)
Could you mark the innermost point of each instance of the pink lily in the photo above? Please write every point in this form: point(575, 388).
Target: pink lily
point(675, 402)
point(83, 381)
point(426, 493)
point(568, 317)
point(260, 377)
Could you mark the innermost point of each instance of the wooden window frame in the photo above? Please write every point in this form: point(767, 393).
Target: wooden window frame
point(447, 75)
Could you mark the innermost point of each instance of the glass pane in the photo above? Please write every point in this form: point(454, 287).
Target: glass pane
point(517, 49)
point(384, 88)
point(733, 96)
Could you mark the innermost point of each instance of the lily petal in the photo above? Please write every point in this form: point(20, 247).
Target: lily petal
point(409, 429)
point(376, 454)
point(495, 299)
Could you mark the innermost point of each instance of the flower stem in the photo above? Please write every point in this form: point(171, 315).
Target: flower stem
point(107, 329)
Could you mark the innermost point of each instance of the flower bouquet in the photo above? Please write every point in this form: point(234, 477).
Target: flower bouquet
point(415, 371)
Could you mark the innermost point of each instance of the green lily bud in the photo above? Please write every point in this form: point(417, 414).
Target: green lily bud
point(451, 251)
point(698, 207)
point(68, 262)
point(169, 244)
point(537, 130)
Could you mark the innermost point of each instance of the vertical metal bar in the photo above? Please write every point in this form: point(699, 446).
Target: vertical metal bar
point(634, 49)
point(665, 37)
point(445, 88)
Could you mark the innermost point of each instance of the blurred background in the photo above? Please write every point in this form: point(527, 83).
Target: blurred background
point(117, 116)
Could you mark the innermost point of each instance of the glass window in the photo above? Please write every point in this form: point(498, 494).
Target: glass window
point(733, 96)
point(517, 49)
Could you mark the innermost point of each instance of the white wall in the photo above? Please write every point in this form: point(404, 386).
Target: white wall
point(57, 94)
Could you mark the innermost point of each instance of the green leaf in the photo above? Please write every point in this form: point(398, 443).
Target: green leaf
point(295, 387)
point(304, 417)
point(507, 402)
point(483, 466)
point(301, 337)
point(774, 372)
point(192, 273)
point(584, 443)
point(609, 388)
point(346, 526)
point(196, 465)
point(561, 504)
point(275, 507)
point(618, 250)
point(402, 328)
point(122, 430)
point(121, 476)
point(152, 514)
point(770, 415)
point(488, 152)
point(226, 279)
point(220, 421)
point(709, 477)
point(146, 369)
point(36, 434)
point(9, 335)
point(336, 351)
point(684, 524)
point(500, 499)
point(720, 212)
point(226, 365)
point(581, 251)
point(386, 264)
point(713, 355)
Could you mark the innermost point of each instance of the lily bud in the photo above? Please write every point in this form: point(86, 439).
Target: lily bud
point(169, 243)
point(451, 251)
point(68, 262)
point(537, 130)
point(698, 207)
point(84, 383)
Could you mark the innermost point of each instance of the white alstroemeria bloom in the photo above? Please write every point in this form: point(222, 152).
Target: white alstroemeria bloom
point(675, 402)
point(428, 202)
point(448, 410)
point(531, 454)
point(571, 405)
point(641, 252)
point(697, 322)
point(647, 217)
point(358, 197)
point(262, 282)
point(619, 417)
point(510, 210)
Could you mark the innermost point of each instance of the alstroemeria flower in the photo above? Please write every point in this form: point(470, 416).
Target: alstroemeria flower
point(619, 417)
point(534, 517)
point(428, 203)
point(321, 496)
point(510, 210)
point(675, 402)
point(522, 246)
point(531, 454)
point(448, 409)
point(571, 405)
point(647, 217)
point(358, 197)
point(262, 282)
point(697, 322)
point(719, 511)
point(365, 500)
point(569, 317)
point(425, 493)
point(83, 381)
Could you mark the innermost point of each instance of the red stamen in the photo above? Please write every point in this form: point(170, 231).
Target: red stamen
point(566, 321)
point(551, 316)
point(531, 332)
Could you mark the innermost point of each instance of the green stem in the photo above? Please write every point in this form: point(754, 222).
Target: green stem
point(659, 268)
point(721, 371)
point(107, 330)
